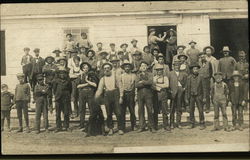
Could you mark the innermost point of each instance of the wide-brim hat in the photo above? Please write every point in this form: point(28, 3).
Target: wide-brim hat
point(19, 75)
point(236, 73)
point(192, 42)
point(159, 55)
point(107, 63)
point(177, 62)
point(91, 51)
point(114, 59)
point(85, 63)
point(181, 46)
point(124, 44)
point(119, 52)
point(194, 65)
point(62, 58)
point(144, 63)
point(126, 62)
point(171, 30)
point(111, 44)
point(103, 52)
point(211, 47)
point(133, 40)
point(57, 50)
point(151, 30)
point(201, 53)
point(46, 59)
point(158, 66)
point(226, 49)
point(182, 55)
point(137, 52)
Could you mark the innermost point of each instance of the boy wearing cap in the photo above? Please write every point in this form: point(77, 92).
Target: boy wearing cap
point(86, 85)
point(91, 59)
point(226, 64)
point(62, 89)
point(74, 73)
point(26, 65)
point(160, 85)
point(109, 87)
point(37, 66)
point(137, 59)
point(160, 61)
point(69, 45)
point(237, 92)
point(195, 95)
point(6, 104)
point(49, 70)
point(40, 97)
point(206, 72)
point(143, 83)
point(219, 95)
point(84, 41)
point(193, 53)
point(22, 100)
point(127, 94)
point(177, 84)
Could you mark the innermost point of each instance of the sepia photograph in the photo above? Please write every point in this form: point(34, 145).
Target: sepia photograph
point(124, 77)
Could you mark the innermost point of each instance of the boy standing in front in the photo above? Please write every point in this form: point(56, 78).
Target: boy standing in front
point(22, 100)
point(6, 103)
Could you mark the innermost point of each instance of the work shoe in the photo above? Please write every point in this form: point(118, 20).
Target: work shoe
point(120, 132)
point(233, 128)
point(240, 128)
point(202, 127)
point(111, 132)
point(57, 130)
point(141, 130)
point(9, 130)
point(153, 130)
point(19, 130)
point(37, 132)
point(215, 129)
point(179, 126)
point(68, 130)
point(47, 130)
point(168, 129)
point(27, 130)
point(191, 126)
point(227, 129)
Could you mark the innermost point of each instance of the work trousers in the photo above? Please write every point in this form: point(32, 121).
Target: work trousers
point(156, 108)
point(145, 97)
point(62, 106)
point(85, 96)
point(237, 114)
point(5, 114)
point(42, 108)
point(176, 107)
point(196, 100)
point(75, 97)
point(220, 105)
point(128, 102)
point(111, 101)
point(22, 110)
point(206, 84)
point(163, 103)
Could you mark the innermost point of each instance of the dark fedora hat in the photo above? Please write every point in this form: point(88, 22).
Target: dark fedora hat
point(85, 63)
point(91, 50)
point(107, 63)
point(192, 42)
point(46, 59)
point(124, 44)
point(192, 65)
point(182, 55)
point(181, 46)
point(211, 47)
point(125, 63)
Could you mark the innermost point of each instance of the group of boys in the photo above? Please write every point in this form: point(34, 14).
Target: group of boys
point(119, 79)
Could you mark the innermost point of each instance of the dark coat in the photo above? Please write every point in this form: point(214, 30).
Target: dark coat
point(201, 91)
point(62, 88)
point(235, 99)
point(173, 81)
point(37, 67)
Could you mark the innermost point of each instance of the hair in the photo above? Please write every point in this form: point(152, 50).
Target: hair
point(84, 34)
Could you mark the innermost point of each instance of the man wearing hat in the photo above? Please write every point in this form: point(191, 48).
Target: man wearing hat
point(160, 85)
point(147, 56)
point(109, 87)
point(206, 72)
point(26, 65)
point(112, 51)
point(100, 62)
point(193, 52)
point(22, 100)
point(57, 53)
point(237, 95)
point(180, 50)
point(127, 94)
point(134, 46)
point(171, 45)
point(82, 53)
point(209, 50)
point(62, 88)
point(37, 63)
point(69, 45)
point(155, 53)
point(143, 83)
point(153, 39)
point(116, 66)
point(62, 64)
point(99, 50)
point(195, 95)
point(86, 86)
point(226, 64)
point(91, 59)
point(184, 65)
point(137, 59)
point(49, 70)
point(84, 41)
point(126, 54)
point(219, 95)
point(161, 61)
point(177, 84)
point(40, 98)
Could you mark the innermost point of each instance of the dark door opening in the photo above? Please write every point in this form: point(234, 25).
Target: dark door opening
point(2, 50)
point(229, 32)
point(161, 30)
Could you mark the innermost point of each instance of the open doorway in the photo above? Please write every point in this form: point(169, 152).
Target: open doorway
point(229, 32)
point(160, 31)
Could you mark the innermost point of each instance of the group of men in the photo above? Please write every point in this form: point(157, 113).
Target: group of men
point(120, 79)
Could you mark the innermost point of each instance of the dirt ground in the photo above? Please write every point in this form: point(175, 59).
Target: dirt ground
point(75, 143)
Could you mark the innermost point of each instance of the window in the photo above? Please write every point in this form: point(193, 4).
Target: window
point(2, 47)
point(76, 33)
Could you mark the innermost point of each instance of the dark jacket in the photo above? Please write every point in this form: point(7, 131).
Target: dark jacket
point(37, 65)
point(237, 99)
point(201, 92)
point(173, 81)
point(147, 80)
point(62, 88)
point(40, 91)
point(6, 100)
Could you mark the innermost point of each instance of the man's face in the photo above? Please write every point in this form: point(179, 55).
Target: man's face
point(112, 47)
point(90, 54)
point(115, 64)
point(195, 70)
point(180, 50)
point(84, 36)
point(143, 67)
point(124, 47)
point(36, 54)
point(85, 68)
point(77, 62)
point(40, 81)
point(161, 60)
point(203, 57)
point(159, 72)
point(62, 75)
point(171, 33)
point(103, 56)
point(107, 70)
point(192, 45)
point(146, 50)
point(242, 57)
point(226, 54)
point(182, 59)
point(68, 37)
point(26, 51)
point(208, 52)
point(137, 57)
point(236, 78)
point(99, 45)
point(49, 60)
point(127, 68)
point(62, 62)
point(155, 53)
point(21, 79)
point(134, 43)
point(218, 78)
point(83, 50)
point(176, 67)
